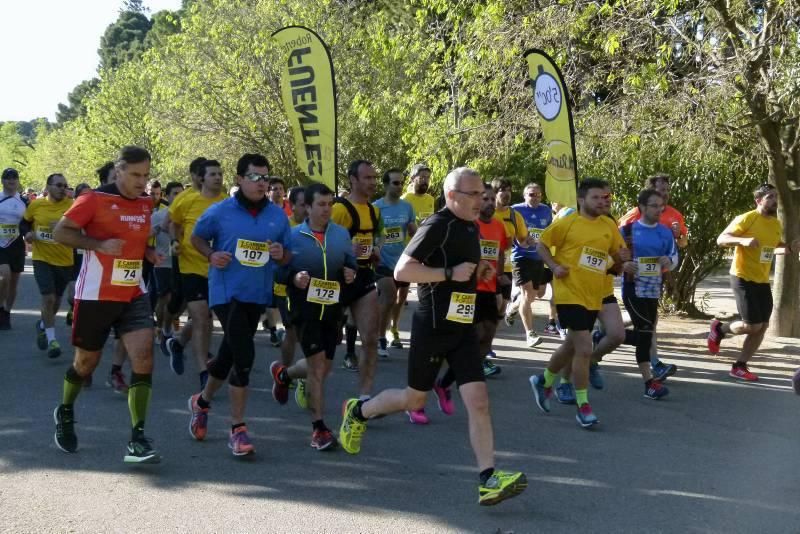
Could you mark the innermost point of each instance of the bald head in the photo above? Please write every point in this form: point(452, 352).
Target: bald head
point(454, 178)
point(463, 189)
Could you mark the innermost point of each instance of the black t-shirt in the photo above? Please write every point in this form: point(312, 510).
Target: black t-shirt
point(444, 240)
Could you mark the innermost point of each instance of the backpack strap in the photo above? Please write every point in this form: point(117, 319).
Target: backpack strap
point(356, 226)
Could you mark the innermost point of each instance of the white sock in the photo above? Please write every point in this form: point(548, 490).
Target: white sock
point(51, 334)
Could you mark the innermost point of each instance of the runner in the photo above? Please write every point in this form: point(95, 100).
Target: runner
point(277, 195)
point(398, 223)
point(250, 238)
point(583, 243)
point(110, 293)
point(184, 213)
point(299, 213)
point(12, 246)
point(52, 261)
point(515, 230)
point(162, 274)
point(653, 251)
point(322, 261)
point(363, 221)
point(442, 257)
point(756, 236)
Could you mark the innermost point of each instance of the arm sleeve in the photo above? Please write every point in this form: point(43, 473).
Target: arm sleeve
point(83, 210)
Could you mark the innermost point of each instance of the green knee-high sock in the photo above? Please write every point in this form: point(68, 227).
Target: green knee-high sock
point(139, 399)
point(581, 396)
point(549, 378)
point(73, 382)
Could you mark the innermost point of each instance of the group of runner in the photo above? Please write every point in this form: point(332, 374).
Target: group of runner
point(315, 256)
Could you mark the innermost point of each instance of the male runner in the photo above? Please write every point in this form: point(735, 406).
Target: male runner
point(515, 230)
point(12, 246)
point(299, 214)
point(276, 192)
point(363, 221)
point(112, 225)
point(756, 236)
point(159, 232)
point(244, 238)
point(183, 214)
point(322, 261)
point(583, 243)
point(399, 222)
point(52, 261)
point(444, 257)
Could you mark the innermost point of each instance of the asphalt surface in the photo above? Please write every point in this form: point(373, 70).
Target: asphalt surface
point(715, 456)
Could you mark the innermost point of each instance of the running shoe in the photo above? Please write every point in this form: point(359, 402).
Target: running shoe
point(743, 373)
point(714, 336)
point(562, 333)
point(350, 363)
point(532, 339)
point(510, 318)
point(491, 354)
point(323, 440)
point(796, 381)
point(444, 398)
point(141, 451)
point(655, 390)
point(490, 369)
point(585, 416)
point(54, 349)
point(352, 430)
point(541, 394)
point(565, 393)
point(116, 381)
point(595, 378)
point(198, 425)
point(163, 345)
point(300, 394)
point(65, 437)
point(550, 330)
point(274, 339)
point(280, 390)
point(418, 417)
point(383, 351)
point(396, 343)
point(41, 337)
point(501, 486)
point(239, 442)
point(69, 318)
point(175, 350)
point(661, 370)
point(597, 337)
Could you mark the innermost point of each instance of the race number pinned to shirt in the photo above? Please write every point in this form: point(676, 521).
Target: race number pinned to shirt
point(393, 235)
point(490, 250)
point(593, 260)
point(279, 290)
point(363, 246)
point(252, 253)
point(9, 231)
point(649, 266)
point(126, 273)
point(535, 233)
point(508, 265)
point(462, 307)
point(767, 253)
point(323, 291)
point(44, 233)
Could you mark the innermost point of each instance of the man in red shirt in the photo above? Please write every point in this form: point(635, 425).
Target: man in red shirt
point(112, 225)
point(672, 219)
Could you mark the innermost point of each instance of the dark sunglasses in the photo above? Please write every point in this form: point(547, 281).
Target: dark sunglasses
point(255, 177)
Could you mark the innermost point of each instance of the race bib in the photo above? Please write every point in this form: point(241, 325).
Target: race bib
point(767, 253)
point(649, 266)
point(535, 233)
point(44, 233)
point(394, 234)
point(279, 290)
point(126, 273)
point(363, 246)
point(323, 291)
point(490, 250)
point(593, 260)
point(9, 231)
point(252, 253)
point(462, 307)
point(508, 266)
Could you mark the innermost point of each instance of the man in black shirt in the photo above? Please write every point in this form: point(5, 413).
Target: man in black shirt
point(444, 258)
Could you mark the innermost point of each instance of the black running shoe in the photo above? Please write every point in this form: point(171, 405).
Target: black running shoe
point(141, 451)
point(65, 436)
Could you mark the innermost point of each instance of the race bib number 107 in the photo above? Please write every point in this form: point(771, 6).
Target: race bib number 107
point(252, 253)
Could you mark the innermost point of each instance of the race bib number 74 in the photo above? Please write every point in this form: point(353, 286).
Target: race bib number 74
point(126, 273)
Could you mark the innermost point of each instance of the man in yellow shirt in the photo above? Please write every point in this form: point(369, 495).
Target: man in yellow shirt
point(420, 200)
point(583, 241)
point(52, 262)
point(756, 236)
point(184, 213)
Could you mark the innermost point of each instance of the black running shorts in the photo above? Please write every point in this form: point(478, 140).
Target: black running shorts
point(194, 287)
point(14, 256)
point(93, 320)
point(317, 335)
point(575, 317)
point(363, 284)
point(51, 279)
point(486, 307)
point(753, 300)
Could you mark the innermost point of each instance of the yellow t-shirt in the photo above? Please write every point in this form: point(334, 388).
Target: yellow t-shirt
point(185, 211)
point(44, 214)
point(423, 205)
point(583, 245)
point(515, 229)
point(365, 239)
point(753, 264)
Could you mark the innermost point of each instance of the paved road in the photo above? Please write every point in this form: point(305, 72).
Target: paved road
point(713, 457)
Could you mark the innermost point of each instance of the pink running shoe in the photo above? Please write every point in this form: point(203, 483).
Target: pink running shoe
point(714, 337)
point(444, 396)
point(743, 373)
point(239, 442)
point(418, 417)
point(198, 425)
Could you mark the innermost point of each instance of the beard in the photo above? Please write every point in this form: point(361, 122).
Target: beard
point(421, 189)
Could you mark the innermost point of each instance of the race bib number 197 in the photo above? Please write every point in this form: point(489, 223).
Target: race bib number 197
point(126, 273)
point(593, 260)
point(252, 253)
point(462, 307)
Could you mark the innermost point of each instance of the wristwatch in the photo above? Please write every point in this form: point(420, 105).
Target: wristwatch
point(448, 274)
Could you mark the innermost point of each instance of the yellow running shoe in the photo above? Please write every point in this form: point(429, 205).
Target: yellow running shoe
point(501, 486)
point(352, 429)
point(300, 394)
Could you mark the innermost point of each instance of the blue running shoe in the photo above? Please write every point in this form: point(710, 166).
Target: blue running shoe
point(595, 378)
point(565, 393)
point(585, 416)
point(597, 336)
point(491, 354)
point(175, 350)
point(163, 345)
point(541, 394)
point(661, 371)
point(655, 390)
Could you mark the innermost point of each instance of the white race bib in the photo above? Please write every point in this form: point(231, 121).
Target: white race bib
point(44, 233)
point(649, 266)
point(767, 253)
point(593, 260)
point(126, 273)
point(9, 231)
point(394, 234)
point(490, 250)
point(363, 246)
point(323, 291)
point(535, 233)
point(508, 266)
point(279, 290)
point(462, 307)
point(252, 253)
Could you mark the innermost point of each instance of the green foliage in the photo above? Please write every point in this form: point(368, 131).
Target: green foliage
point(124, 40)
point(76, 106)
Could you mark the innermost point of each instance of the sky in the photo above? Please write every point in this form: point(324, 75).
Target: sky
point(47, 47)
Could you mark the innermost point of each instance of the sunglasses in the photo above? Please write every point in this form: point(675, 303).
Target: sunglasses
point(255, 177)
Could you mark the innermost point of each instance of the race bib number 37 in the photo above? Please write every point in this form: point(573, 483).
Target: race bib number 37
point(252, 253)
point(323, 291)
point(649, 266)
point(126, 273)
point(462, 308)
point(593, 260)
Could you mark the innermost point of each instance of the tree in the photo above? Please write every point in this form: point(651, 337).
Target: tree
point(76, 106)
point(123, 40)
